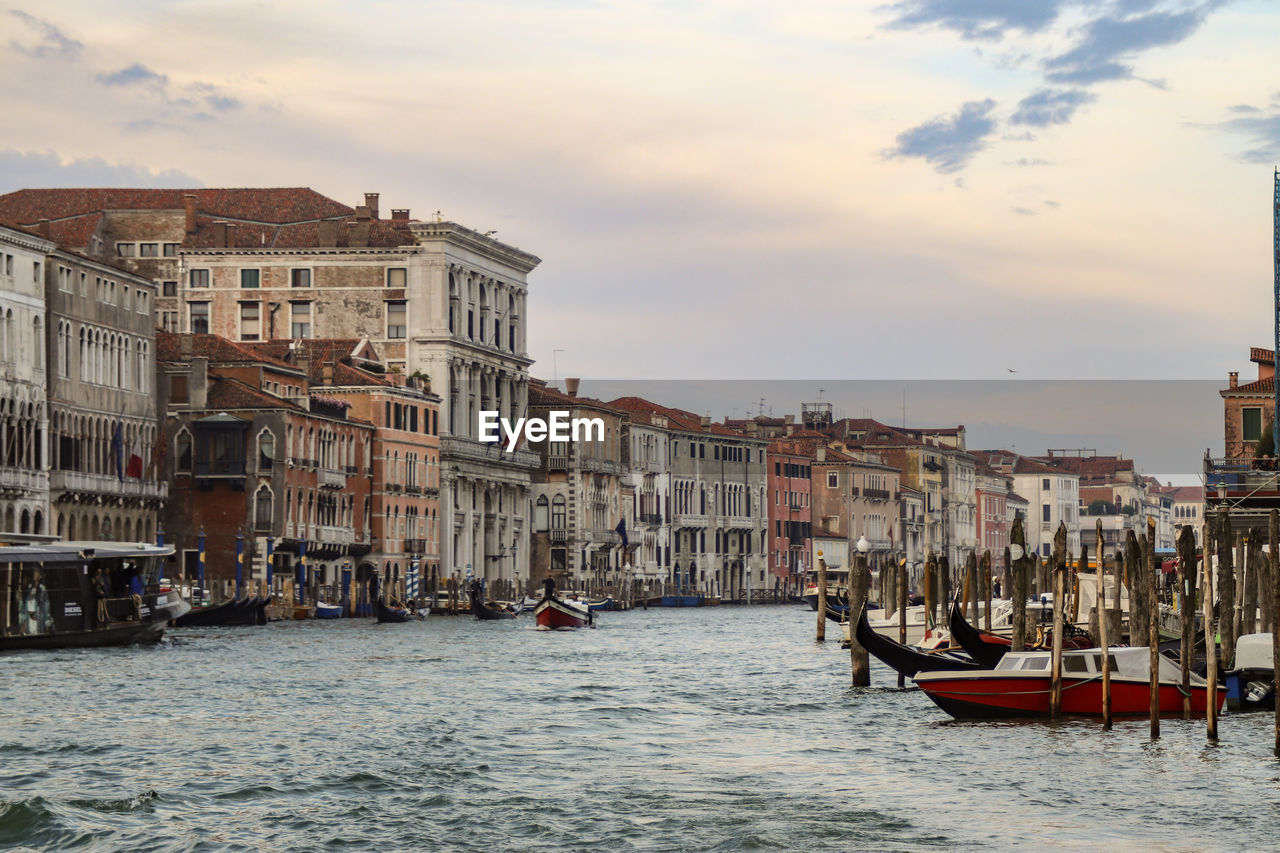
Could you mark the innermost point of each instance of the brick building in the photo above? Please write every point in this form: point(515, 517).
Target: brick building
point(1249, 407)
point(789, 499)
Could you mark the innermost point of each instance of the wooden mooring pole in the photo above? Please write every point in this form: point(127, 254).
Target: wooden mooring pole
point(1274, 535)
point(1103, 629)
point(1059, 617)
point(902, 612)
point(1210, 645)
point(1018, 591)
point(822, 599)
point(1153, 624)
point(859, 582)
point(1186, 608)
point(986, 586)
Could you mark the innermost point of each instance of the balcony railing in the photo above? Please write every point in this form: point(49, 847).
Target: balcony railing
point(652, 519)
point(333, 478)
point(458, 448)
point(332, 535)
point(601, 466)
point(740, 522)
point(415, 546)
point(686, 519)
point(876, 494)
point(557, 463)
point(24, 479)
point(99, 484)
point(602, 537)
point(413, 489)
point(558, 534)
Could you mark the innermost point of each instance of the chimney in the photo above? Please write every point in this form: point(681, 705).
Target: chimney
point(220, 234)
point(371, 202)
point(327, 372)
point(571, 386)
point(189, 206)
point(44, 228)
point(363, 214)
point(231, 235)
point(821, 455)
point(198, 385)
point(1233, 379)
point(400, 214)
point(186, 344)
point(303, 363)
point(327, 233)
point(706, 421)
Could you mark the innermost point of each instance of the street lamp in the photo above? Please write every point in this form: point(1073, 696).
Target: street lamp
point(1016, 552)
point(863, 545)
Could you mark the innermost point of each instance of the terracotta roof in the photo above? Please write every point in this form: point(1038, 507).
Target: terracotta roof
point(256, 204)
point(1187, 494)
point(1090, 467)
point(542, 395)
point(1262, 355)
point(677, 418)
point(1258, 386)
point(320, 351)
point(217, 349)
point(351, 233)
point(227, 393)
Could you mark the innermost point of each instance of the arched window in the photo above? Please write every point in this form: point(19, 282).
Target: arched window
point(540, 514)
point(266, 450)
point(558, 513)
point(183, 451)
point(263, 510)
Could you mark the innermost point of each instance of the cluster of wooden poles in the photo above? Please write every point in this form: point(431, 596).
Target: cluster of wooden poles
point(1136, 568)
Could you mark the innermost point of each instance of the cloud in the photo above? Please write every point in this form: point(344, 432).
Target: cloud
point(1108, 40)
point(134, 74)
point(20, 169)
point(1263, 132)
point(1243, 108)
point(1051, 203)
point(975, 19)
point(948, 142)
point(1029, 161)
point(52, 41)
point(1024, 211)
point(1051, 106)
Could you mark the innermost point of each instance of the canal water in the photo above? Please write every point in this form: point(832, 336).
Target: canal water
point(661, 730)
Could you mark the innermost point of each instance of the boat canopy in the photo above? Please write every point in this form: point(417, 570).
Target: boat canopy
point(1253, 651)
point(1126, 662)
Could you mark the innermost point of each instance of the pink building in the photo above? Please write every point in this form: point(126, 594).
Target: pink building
point(991, 498)
point(789, 465)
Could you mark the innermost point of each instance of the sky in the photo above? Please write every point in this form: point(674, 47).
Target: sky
point(896, 189)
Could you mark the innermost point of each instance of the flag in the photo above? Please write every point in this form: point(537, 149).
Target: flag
point(134, 469)
point(621, 530)
point(117, 451)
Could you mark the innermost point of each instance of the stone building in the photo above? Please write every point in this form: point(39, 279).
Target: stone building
point(1249, 407)
point(404, 477)
point(856, 496)
point(104, 427)
point(1053, 497)
point(647, 472)
point(253, 451)
point(24, 411)
point(719, 516)
point(436, 299)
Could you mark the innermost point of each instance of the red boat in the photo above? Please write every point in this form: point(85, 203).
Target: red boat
point(553, 612)
point(1019, 686)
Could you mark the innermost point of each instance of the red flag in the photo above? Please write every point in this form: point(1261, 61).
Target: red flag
point(134, 468)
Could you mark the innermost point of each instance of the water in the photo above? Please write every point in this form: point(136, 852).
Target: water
point(662, 730)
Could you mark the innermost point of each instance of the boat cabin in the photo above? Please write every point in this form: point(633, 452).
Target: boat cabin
point(1126, 662)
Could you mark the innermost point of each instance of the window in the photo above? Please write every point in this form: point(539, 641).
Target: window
point(833, 479)
point(169, 288)
point(199, 317)
point(262, 508)
point(171, 250)
point(64, 279)
point(558, 514)
point(396, 319)
point(200, 278)
point(149, 250)
point(1045, 513)
point(266, 450)
point(184, 451)
point(300, 322)
point(1251, 424)
point(396, 277)
point(169, 321)
point(250, 278)
point(126, 250)
point(250, 320)
point(299, 278)
point(540, 515)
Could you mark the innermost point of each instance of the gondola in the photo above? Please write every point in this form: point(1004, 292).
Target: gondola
point(387, 613)
point(242, 611)
point(907, 660)
point(985, 649)
point(488, 612)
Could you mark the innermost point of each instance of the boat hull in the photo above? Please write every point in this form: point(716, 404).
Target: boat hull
point(677, 601)
point(992, 697)
point(552, 614)
point(1251, 690)
point(907, 660)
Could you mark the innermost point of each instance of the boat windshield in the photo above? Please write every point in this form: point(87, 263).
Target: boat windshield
point(1023, 662)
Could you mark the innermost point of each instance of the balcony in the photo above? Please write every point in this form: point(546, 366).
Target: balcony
point(415, 546)
point(111, 486)
point(332, 478)
point(557, 463)
point(879, 544)
point(876, 494)
point(741, 522)
point(652, 519)
point(456, 448)
point(601, 537)
point(684, 519)
point(24, 480)
point(601, 466)
point(413, 489)
point(331, 535)
point(558, 534)
point(350, 470)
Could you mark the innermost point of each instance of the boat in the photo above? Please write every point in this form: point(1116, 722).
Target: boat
point(554, 612)
point(328, 611)
point(984, 648)
point(58, 595)
point(677, 601)
point(236, 611)
point(837, 592)
point(907, 660)
point(489, 611)
point(389, 613)
point(1251, 679)
point(1019, 686)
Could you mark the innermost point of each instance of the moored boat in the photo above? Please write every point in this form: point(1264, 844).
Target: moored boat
point(328, 611)
point(61, 595)
point(1251, 679)
point(1019, 686)
point(553, 612)
point(907, 660)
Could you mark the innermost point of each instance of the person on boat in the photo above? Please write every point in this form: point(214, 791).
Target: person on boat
point(100, 599)
point(35, 605)
point(995, 588)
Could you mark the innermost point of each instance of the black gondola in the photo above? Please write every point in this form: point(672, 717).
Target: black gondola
point(487, 611)
point(982, 650)
point(244, 611)
point(386, 613)
point(907, 660)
